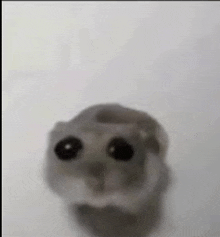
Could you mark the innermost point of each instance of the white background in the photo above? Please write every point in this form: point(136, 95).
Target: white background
point(160, 57)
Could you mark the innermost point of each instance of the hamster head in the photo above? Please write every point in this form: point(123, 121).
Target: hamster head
point(101, 164)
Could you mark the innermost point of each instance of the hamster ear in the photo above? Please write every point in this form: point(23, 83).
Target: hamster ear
point(59, 126)
point(156, 143)
point(163, 140)
point(151, 142)
point(153, 145)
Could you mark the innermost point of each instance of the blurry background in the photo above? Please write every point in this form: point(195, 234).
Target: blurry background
point(160, 57)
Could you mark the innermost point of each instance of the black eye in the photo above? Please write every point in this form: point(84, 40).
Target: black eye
point(68, 148)
point(119, 149)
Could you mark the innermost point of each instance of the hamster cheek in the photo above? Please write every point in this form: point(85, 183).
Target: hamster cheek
point(75, 190)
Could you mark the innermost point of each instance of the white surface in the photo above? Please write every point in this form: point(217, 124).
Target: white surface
point(161, 57)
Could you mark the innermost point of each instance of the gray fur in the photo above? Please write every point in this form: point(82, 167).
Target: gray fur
point(110, 198)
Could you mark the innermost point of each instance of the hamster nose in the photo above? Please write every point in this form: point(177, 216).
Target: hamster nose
point(96, 169)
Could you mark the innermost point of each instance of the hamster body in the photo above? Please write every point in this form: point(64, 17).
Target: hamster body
point(108, 165)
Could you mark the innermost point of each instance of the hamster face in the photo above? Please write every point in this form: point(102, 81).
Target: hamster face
point(100, 163)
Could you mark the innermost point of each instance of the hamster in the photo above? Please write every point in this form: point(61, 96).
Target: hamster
point(108, 166)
